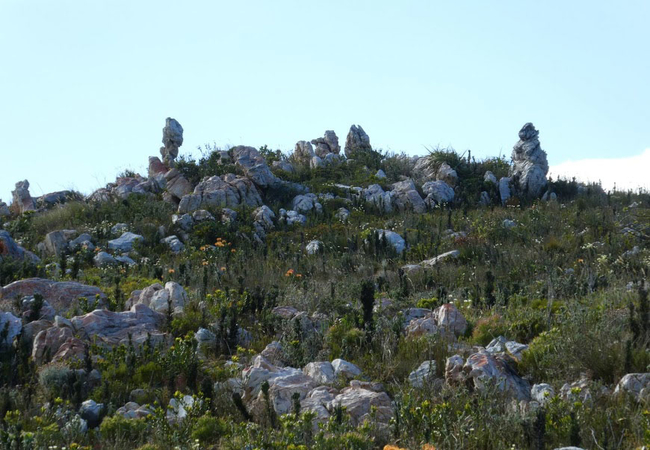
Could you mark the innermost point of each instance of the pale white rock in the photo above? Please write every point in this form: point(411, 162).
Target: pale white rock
point(303, 152)
point(380, 174)
point(345, 369)
point(306, 203)
point(254, 166)
point(202, 215)
point(358, 403)
point(183, 221)
point(447, 174)
point(449, 318)
point(320, 372)
point(22, 199)
point(454, 374)
point(103, 259)
point(504, 189)
point(453, 254)
point(509, 223)
point(635, 384)
point(496, 369)
point(91, 412)
point(343, 214)
point(172, 139)
point(328, 144)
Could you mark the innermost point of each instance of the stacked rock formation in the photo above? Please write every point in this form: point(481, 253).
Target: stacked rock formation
point(172, 140)
point(529, 163)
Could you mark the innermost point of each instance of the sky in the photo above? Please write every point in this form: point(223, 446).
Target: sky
point(85, 86)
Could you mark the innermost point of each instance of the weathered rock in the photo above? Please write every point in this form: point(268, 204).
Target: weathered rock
point(423, 375)
point(292, 217)
point(359, 401)
point(424, 170)
point(178, 408)
point(635, 384)
point(174, 244)
point(406, 197)
point(357, 140)
point(393, 239)
point(449, 318)
point(202, 215)
point(320, 372)
point(303, 152)
point(113, 328)
point(263, 218)
point(59, 294)
point(158, 298)
point(306, 203)
point(376, 195)
point(504, 189)
point(254, 166)
point(103, 259)
point(497, 369)
point(447, 174)
point(132, 410)
point(228, 216)
point(453, 254)
point(437, 193)
point(485, 199)
point(283, 165)
point(4, 210)
point(422, 326)
point(10, 249)
point(489, 177)
point(502, 345)
point(12, 324)
point(56, 242)
point(218, 192)
point(327, 144)
point(48, 342)
point(343, 214)
point(509, 223)
point(22, 198)
point(84, 240)
point(91, 412)
point(125, 242)
point(313, 247)
point(529, 163)
point(172, 140)
point(454, 374)
point(345, 369)
point(542, 393)
point(380, 174)
point(176, 184)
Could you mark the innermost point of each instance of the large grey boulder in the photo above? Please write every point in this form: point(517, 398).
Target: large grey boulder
point(635, 384)
point(423, 375)
point(56, 242)
point(60, 294)
point(10, 249)
point(229, 191)
point(303, 153)
point(529, 163)
point(320, 372)
point(4, 210)
point(23, 200)
point(357, 140)
point(254, 166)
point(376, 195)
point(393, 239)
point(313, 247)
point(406, 197)
point(437, 193)
point(447, 174)
point(176, 184)
point(504, 189)
point(174, 244)
point(306, 203)
point(91, 412)
point(125, 242)
point(103, 259)
point(172, 140)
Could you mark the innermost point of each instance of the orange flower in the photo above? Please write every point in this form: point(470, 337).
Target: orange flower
point(580, 260)
point(205, 263)
point(428, 447)
point(289, 273)
point(223, 268)
point(298, 275)
point(171, 271)
point(232, 250)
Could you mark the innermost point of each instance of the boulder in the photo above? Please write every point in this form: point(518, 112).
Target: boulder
point(227, 191)
point(450, 319)
point(303, 153)
point(4, 210)
point(424, 170)
point(357, 140)
point(91, 412)
point(174, 244)
point(342, 214)
point(103, 259)
point(453, 254)
point(12, 324)
point(542, 393)
point(292, 217)
point(23, 200)
point(176, 184)
point(358, 403)
point(486, 368)
point(454, 374)
point(437, 193)
point(393, 239)
point(132, 410)
point(125, 242)
point(59, 294)
point(56, 242)
point(113, 328)
point(313, 247)
point(202, 215)
point(423, 375)
point(263, 218)
point(178, 408)
point(345, 369)
point(84, 240)
point(504, 189)
point(406, 197)
point(10, 249)
point(306, 203)
point(320, 372)
point(284, 166)
point(158, 297)
point(172, 140)
point(376, 195)
point(635, 384)
point(254, 166)
point(48, 342)
point(503, 345)
point(380, 174)
point(489, 177)
point(447, 174)
point(529, 163)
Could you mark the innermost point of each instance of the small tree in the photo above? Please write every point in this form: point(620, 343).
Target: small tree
point(367, 299)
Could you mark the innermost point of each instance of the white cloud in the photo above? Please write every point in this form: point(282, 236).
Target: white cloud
point(632, 172)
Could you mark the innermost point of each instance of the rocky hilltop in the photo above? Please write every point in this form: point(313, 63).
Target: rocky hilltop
point(326, 299)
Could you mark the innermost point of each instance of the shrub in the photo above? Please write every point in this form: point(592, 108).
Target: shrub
point(118, 430)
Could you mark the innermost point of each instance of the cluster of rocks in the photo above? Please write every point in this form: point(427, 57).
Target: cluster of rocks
point(319, 152)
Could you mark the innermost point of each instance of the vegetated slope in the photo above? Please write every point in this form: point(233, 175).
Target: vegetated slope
point(256, 300)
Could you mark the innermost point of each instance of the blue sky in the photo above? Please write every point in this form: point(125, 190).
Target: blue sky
point(85, 86)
